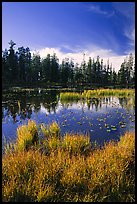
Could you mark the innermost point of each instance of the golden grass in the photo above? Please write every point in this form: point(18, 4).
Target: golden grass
point(27, 135)
point(66, 174)
point(52, 131)
point(73, 144)
point(88, 94)
point(68, 96)
point(108, 92)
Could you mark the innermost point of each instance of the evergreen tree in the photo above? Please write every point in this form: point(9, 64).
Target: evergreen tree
point(46, 69)
point(36, 67)
point(98, 71)
point(122, 74)
point(83, 68)
point(114, 77)
point(54, 69)
point(20, 67)
point(94, 72)
point(28, 71)
point(12, 62)
point(89, 71)
point(129, 68)
point(5, 68)
point(22, 61)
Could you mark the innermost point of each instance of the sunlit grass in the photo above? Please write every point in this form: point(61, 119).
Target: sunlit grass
point(88, 94)
point(51, 131)
point(108, 92)
point(27, 135)
point(71, 171)
point(76, 144)
point(68, 96)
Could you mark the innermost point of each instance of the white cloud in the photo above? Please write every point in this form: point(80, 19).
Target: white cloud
point(90, 51)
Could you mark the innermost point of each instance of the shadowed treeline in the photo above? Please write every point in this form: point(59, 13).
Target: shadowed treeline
point(20, 68)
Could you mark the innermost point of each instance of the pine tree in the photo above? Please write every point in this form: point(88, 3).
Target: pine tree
point(12, 62)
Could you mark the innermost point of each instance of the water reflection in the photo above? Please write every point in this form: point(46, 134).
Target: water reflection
point(103, 118)
point(29, 102)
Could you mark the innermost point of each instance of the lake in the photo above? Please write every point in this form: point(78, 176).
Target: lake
point(104, 119)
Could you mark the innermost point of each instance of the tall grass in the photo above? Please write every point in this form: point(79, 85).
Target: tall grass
point(108, 92)
point(72, 171)
point(52, 131)
point(69, 96)
point(27, 135)
point(73, 144)
point(88, 94)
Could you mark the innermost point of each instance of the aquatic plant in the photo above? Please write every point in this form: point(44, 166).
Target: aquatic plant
point(66, 174)
point(68, 96)
point(108, 92)
point(27, 135)
point(88, 94)
point(52, 130)
point(76, 144)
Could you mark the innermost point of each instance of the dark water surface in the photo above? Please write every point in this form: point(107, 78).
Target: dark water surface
point(104, 119)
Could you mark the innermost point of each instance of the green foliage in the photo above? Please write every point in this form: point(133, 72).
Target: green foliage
point(20, 67)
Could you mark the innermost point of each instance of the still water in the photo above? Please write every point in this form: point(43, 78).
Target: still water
point(104, 119)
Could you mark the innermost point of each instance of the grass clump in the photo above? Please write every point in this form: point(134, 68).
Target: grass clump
point(76, 144)
point(69, 96)
point(88, 94)
point(108, 92)
point(51, 131)
point(27, 135)
point(71, 171)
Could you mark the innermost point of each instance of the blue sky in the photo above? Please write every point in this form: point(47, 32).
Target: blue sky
point(70, 29)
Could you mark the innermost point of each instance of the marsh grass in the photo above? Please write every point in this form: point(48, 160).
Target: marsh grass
point(88, 94)
point(108, 92)
point(69, 96)
point(68, 173)
point(51, 131)
point(27, 135)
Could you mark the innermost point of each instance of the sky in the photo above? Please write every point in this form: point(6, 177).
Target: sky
point(71, 29)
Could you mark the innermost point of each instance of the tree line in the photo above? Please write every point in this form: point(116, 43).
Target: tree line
point(21, 67)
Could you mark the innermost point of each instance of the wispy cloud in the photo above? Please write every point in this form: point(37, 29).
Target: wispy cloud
point(127, 10)
point(90, 51)
point(98, 10)
point(131, 35)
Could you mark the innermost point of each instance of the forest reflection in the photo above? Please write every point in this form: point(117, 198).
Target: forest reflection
point(34, 101)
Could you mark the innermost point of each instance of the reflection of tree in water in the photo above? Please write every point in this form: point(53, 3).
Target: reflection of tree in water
point(123, 102)
point(29, 102)
point(94, 103)
point(127, 103)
